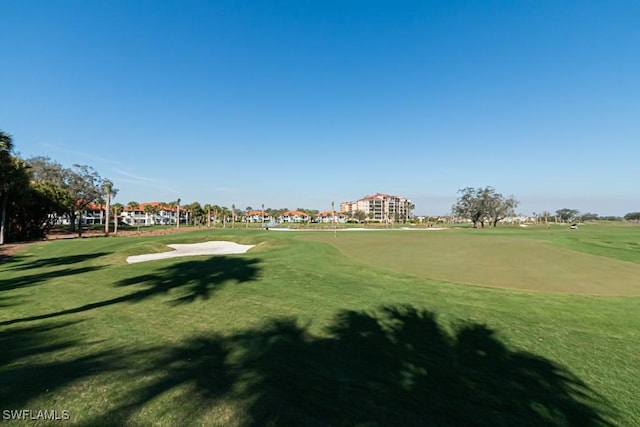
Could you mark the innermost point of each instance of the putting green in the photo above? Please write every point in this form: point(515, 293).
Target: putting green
point(508, 262)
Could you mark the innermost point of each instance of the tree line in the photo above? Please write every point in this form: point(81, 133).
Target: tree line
point(35, 192)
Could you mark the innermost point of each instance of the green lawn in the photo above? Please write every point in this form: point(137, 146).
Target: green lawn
point(556, 260)
point(310, 328)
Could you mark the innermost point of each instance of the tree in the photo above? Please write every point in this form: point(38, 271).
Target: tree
point(589, 216)
point(29, 208)
point(14, 184)
point(8, 171)
point(85, 186)
point(177, 213)
point(567, 214)
point(116, 208)
point(482, 204)
point(150, 211)
point(469, 205)
point(409, 211)
point(360, 215)
point(207, 209)
point(632, 216)
point(35, 209)
point(224, 213)
point(233, 216)
point(500, 207)
point(195, 213)
point(83, 183)
point(44, 169)
point(216, 210)
point(110, 192)
point(133, 207)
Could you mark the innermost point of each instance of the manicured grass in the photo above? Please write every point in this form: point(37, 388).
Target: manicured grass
point(558, 260)
point(295, 332)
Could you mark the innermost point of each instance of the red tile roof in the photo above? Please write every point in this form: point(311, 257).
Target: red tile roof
point(329, 213)
point(379, 196)
point(94, 207)
point(158, 205)
point(293, 213)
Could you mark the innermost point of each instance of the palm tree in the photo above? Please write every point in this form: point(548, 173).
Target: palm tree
point(224, 212)
point(116, 208)
point(107, 206)
point(178, 213)
point(172, 206)
point(233, 216)
point(6, 169)
point(196, 213)
point(133, 207)
point(150, 211)
point(216, 210)
point(109, 193)
point(207, 208)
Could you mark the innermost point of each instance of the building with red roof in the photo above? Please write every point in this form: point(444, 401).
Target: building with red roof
point(294, 216)
point(381, 207)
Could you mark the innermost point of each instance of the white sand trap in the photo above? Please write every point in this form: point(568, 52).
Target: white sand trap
point(425, 229)
point(205, 248)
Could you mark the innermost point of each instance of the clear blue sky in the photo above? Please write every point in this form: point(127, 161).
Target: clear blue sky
point(300, 103)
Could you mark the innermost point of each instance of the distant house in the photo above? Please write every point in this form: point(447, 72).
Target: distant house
point(257, 216)
point(294, 216)
point(329, 217)
point(92, 213)
point(161, 214)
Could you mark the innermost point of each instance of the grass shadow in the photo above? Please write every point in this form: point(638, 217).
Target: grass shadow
point(395, 366)
point(34, 279)
point(191, 280)
point(21, 262)
point(31, 365)
point(194, 278)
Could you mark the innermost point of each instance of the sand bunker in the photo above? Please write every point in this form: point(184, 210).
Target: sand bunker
point(206, 248)
point(424, 229)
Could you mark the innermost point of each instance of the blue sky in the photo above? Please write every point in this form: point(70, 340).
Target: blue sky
point(300, 103)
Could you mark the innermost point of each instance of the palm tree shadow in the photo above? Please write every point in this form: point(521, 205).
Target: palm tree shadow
point(194, 279)
point(199, 365)
point(399, 367)
point(30, 362)
point(34, 279)
point(395, 366)
point(22, 262)
point(191, 280)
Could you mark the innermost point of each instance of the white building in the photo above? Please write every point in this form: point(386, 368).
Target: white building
point(294, 216)
point(154, 213)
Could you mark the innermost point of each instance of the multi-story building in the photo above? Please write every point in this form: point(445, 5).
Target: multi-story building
point(381, 207)
point(331, 217)
point(158, 214)
point(257, 216)
point(294, 216)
